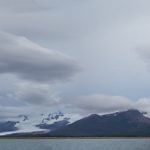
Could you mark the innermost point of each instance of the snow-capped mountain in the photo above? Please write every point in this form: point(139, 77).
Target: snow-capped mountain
point(130, 123)
point(44, 122)
point(125, 123)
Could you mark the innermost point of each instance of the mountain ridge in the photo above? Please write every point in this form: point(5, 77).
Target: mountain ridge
point(127, 123)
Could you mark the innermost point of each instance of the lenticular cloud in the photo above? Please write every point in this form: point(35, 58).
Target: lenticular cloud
point(29, 61)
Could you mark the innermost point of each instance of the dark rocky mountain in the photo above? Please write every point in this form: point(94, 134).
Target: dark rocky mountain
point(127, 123)
point(54, 126)
point(7, 126)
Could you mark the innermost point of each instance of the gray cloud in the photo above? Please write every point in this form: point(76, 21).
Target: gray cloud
point(23, 6)
point(36, 95)
point(144, 53)
point(101, 34)
point(67, 18)
point(11, 111)
point(60, 20)
point(30, 61)
point(84, 105)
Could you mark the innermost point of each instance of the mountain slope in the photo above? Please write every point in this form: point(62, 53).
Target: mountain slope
point(36, 123)
point(8, 126)
point(128, 123)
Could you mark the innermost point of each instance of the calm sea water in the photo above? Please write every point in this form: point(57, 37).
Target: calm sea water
point(76, 144)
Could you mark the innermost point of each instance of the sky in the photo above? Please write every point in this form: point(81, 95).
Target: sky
point(77, 56)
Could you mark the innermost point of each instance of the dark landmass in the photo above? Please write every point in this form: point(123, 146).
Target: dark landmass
point(7, 126)
point(131, 123)
point(127, 124)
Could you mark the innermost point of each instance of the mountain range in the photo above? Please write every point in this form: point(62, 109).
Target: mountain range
point(130, 123)
point(36, 123)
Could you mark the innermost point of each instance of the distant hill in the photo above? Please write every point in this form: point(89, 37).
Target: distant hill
point(127, 123)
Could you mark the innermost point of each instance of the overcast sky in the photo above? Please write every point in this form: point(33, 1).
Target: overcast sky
point(82, 56)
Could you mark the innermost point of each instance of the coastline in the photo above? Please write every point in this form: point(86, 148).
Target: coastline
point(63, 138)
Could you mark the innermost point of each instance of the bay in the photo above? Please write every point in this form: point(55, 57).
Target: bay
point(74, 144)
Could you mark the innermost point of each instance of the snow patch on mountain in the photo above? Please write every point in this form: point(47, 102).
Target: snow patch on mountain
point(30, 123)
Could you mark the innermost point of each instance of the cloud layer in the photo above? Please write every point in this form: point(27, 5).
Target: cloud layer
point(102, 35)
point(100, 103)
point(36, 95)
point(30, 61)
point(85, 105)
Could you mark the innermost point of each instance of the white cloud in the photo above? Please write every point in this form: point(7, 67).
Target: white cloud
point(85, 105)
point(99, 103)
point(103, 103)
point(143, 104)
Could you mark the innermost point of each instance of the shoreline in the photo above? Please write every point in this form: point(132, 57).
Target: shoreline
point(67, 138)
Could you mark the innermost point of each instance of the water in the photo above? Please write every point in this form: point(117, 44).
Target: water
point(75, 144)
